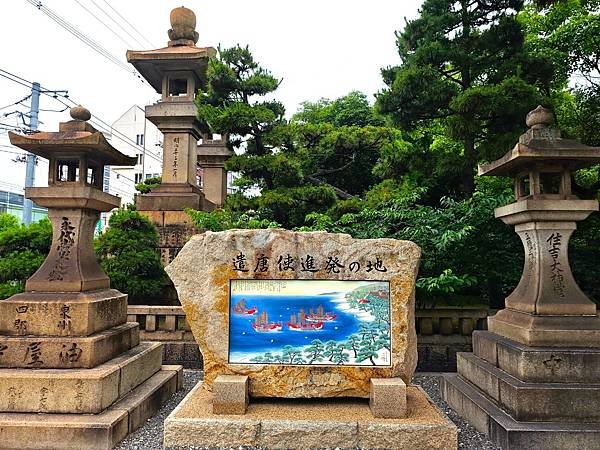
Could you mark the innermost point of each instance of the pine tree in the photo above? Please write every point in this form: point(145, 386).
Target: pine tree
point(463, 65)
point(315, 351)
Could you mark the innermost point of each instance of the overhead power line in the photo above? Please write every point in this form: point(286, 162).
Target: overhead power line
point(94, 45)
point(91, 13)
point(68, 102)
point(128, 23)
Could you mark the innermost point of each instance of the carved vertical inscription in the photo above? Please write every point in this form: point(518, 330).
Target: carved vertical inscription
point(66, 240)
point(175, 156)
point(556, 272)
point(43, 407)
point(20, 323)
point(64, 323)
point(79, 395)
point(530, 253)
point(14, 395)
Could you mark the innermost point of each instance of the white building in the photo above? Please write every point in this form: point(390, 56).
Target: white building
point(133, 135)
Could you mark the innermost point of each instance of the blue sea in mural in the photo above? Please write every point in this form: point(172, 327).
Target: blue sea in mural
point(243, 338)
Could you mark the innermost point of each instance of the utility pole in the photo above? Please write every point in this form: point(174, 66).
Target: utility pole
point(31, 158)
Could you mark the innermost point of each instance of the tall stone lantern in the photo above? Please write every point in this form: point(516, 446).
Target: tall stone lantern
point(73, 374)
point(533, 379)
point(177, 72)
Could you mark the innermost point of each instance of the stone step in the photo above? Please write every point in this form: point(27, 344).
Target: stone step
point(86, 391)
point(62, 313)
point(538, 364)
point(509, 434)
point(543, 402)
point(36, 352)
point(102, 431)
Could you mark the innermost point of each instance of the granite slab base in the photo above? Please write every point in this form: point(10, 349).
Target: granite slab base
point(85, 391)
point(526, 397)
point(101, 431)
point(488, 418)
point(345, 423)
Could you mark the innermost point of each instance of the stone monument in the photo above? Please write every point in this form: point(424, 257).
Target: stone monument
point(533, 379)
point(308, 341)
point(177, 72)
point(73, 374)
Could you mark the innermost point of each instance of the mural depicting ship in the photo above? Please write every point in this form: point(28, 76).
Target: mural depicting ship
point(241, 309)
point(319, 315)
point(300, 322)
point(262, 325)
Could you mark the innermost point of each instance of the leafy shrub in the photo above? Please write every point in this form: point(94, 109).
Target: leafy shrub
point(128, 254)
point(22, 251)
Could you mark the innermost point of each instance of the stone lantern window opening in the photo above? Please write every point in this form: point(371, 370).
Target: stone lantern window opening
point(179, 86)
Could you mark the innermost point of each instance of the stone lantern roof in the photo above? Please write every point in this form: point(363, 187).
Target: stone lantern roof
point(181, 53)
point(75, 138)
point(542, 144)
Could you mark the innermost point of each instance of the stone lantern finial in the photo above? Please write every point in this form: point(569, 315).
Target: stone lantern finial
point(80, 113)
point(183, 27)
point(540, 117)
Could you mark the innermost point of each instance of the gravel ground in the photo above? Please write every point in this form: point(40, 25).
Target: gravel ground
point(150, 436)
point(468, 437)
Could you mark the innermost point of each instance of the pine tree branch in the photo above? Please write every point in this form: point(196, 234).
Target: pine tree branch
point(340, 193)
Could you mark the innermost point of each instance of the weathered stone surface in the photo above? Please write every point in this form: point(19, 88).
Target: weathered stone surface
point(388, 398)
point(28, 431)
point(202, 272)
point(230, 394)
point(62, 313)
point(67, 352)
point(303, 424)
point(87, 391)
point(538, 364)
point(508, 433)
point(532, 402)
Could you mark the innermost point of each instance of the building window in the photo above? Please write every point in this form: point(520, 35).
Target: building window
point(140, 159)
point(139, 139)
point(138, 178)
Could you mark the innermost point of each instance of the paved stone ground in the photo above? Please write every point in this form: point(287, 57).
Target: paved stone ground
point(150, 436)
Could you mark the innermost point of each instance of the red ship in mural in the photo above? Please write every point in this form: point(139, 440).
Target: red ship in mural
point(300, 322)
point(319, 315)
point(262, 325)
point(240, 309)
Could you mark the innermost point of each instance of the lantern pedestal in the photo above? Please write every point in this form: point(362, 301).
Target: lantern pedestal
point(533, 379)
point(73, 374)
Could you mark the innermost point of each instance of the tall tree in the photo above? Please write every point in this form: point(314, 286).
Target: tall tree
point(326, 152)
point(463, 62)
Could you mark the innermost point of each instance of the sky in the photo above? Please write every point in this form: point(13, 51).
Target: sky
point(319, 49)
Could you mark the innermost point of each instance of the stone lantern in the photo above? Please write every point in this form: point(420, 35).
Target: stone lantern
point(533, 379)
point(547, 307)
point(73, 373)
point(76, 155)
point(177, 72)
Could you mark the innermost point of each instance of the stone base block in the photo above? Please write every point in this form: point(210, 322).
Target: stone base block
point(538, 364)
point(171, 197)
point(62, 313)
point(86, 391)
point(546, 331)
point(388, 398)
point(230, 394)
point(90, 432)
point(67, 352)
point(304, 424)
point(485, 415)
point(532, 402)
